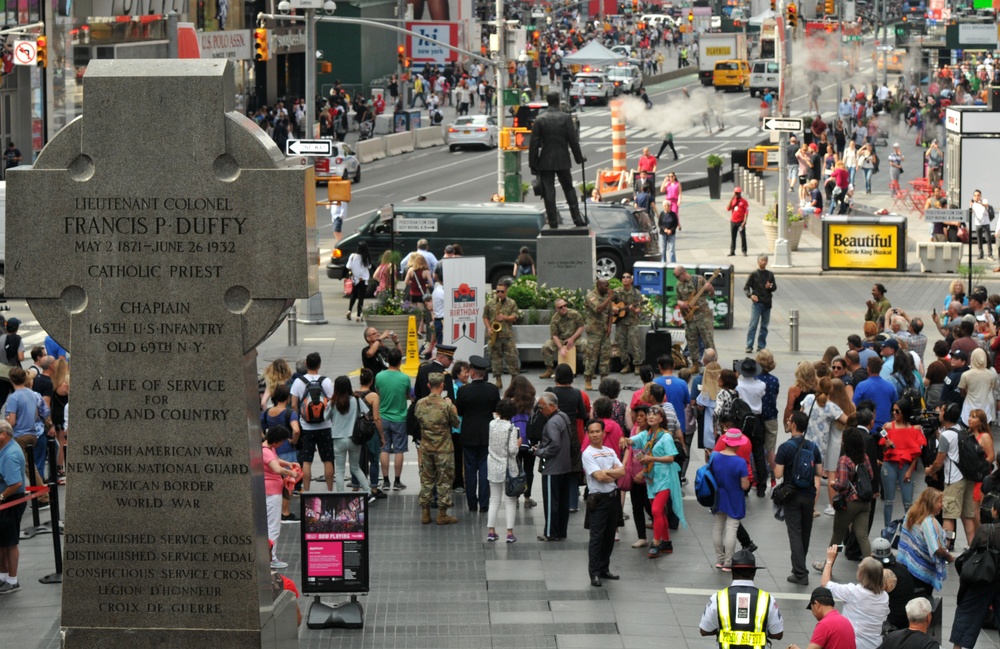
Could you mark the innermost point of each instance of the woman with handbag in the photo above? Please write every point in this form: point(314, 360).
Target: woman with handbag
point(979, 426)
point(343, 411)
point(851, 510)
point(975, 597)
point(359, 263)
point(657, 452)
point(902, 441)
point(386, 274)
point(635, 470)
point(823, 414)
point(522, 393)
point(923, 548)
point(501, 465)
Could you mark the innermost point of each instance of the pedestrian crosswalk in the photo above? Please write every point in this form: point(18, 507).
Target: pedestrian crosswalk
point(592, 133)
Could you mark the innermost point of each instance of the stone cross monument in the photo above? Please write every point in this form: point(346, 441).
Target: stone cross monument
point(160, 237)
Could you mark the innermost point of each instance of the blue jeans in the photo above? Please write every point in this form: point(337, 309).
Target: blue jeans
point(851, 171)
point(868, 180)
point(41, 454)
point(343, 446)
point(669, 248)
point(477, 484)
point(758, 314)
point(892, 475)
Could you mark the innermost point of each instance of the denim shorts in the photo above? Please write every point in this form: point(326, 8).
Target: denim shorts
point(395, 436)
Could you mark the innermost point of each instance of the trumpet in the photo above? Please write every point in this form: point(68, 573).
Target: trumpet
point(495, 327)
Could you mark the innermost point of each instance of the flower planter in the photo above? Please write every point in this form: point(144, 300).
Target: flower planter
point(715, 183)
point(794, 234)
point(397, 323)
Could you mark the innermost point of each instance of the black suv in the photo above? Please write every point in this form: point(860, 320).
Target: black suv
point(496, 231)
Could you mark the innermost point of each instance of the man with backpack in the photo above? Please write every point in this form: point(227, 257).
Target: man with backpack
point(957, 457)
point(749, 421)
point(799, 463)
point(310, 395)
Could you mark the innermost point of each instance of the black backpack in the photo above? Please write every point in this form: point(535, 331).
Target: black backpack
point(743, 417)
point(863, 483)
point(12, 343)
point(803, 467)
point(971, 457)
point(536, 426)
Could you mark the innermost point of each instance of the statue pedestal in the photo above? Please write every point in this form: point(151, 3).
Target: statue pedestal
point(567, 258)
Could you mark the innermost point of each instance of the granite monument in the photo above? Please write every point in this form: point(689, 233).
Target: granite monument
point(176, 237)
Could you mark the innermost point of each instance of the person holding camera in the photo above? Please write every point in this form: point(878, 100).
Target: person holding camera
point(866, 604)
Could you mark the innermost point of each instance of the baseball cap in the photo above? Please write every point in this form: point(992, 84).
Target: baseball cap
point(882, 550)
point(891, 343)
point(737, 190)
point(959, 354)
point(822, 595)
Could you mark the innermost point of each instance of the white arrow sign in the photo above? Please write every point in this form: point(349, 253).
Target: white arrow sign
point(791, 125)
point(309, 147)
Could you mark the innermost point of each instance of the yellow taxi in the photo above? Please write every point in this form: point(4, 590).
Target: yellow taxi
point(731, 74)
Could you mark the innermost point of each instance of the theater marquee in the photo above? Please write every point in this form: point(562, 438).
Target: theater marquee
point(864, 243)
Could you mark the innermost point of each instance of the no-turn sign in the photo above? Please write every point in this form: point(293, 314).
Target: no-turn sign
point(25, 53)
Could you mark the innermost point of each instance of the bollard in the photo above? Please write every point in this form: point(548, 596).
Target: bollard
point(763, 190)
point(293, 327)
point(793, 330)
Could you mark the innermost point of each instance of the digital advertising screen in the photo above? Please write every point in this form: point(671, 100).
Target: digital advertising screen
point(334, 543)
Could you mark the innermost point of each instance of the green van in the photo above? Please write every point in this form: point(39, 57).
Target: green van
point(496, 231)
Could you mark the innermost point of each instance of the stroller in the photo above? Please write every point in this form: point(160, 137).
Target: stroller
point(365, 130)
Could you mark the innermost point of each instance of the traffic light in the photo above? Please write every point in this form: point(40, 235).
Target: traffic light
point(774, 5)
point(792, 14)
point(401, 56)
point(830, 8)
point(515, 139)
point(260, 45)
point(690, 17)
point(41, 52)
point(407, 63)
point(325, 67)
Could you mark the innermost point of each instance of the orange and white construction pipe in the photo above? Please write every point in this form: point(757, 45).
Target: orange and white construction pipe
point(618, 148)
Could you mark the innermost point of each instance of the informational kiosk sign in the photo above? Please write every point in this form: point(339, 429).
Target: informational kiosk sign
point(334, 543)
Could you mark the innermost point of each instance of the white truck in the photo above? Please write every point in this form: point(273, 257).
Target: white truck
point(718, 47)
point(594, 86)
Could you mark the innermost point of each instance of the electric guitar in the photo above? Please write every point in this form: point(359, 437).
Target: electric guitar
point(693, 301)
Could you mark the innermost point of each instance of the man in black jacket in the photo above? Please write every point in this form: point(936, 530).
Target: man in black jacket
point(759, 288)
point(668, 234)
point(551, 134)
point(476, 402)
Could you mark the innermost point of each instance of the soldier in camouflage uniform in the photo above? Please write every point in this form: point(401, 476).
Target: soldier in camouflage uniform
point(598, 327)
point(627, 326)
point(565, 332)
point(437, 416)
point(503, 350)
point(701, 324)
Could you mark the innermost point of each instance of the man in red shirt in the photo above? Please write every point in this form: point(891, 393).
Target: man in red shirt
point(740, 210)
point(647, 161)
point(834, 631)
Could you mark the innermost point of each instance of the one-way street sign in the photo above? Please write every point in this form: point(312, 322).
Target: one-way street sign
point(786, 124)
point(309, 147)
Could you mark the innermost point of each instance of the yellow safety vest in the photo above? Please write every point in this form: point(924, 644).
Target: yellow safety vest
point(743, 634)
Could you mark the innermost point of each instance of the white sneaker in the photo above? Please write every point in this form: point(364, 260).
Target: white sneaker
point(617, 537)
point(278, 565)
point(829, 511)
point(641, 543)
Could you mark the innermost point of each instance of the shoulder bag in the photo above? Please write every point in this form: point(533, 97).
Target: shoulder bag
point(514, 485)
point(979, 565)
point(364, 425)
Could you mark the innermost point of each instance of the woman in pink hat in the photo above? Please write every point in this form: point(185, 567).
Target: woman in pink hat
point(733, 479)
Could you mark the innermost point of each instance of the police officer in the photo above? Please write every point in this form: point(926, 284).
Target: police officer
point(598, 327)
point(565, 333)
point(551, 134)
point(627, 324)
point(503, 312)
point(437, 416)
point(742, 616)
point(701, 323)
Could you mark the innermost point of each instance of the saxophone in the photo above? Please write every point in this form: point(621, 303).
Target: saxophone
point(495, 327)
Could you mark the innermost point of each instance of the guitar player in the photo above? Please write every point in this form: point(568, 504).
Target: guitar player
point(626, 307)
point(691, 292)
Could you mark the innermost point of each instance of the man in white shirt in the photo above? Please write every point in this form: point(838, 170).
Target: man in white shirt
point(315, 435)
point(752, 391)
point(603, 469)
point(958, 501)
point(981, 222)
